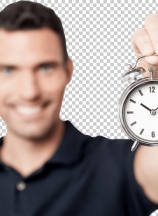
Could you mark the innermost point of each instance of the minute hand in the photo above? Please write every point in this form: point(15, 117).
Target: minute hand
point(145, 107)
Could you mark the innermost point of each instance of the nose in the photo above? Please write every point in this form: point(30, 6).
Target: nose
point(28, 86)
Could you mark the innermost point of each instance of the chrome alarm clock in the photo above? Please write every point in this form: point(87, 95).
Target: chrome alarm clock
point(138, 107)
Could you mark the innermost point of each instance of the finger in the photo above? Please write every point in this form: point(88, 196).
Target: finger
point(151, 25)
point(142, 45)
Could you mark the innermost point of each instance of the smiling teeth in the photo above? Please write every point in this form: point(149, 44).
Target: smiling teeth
point(28, 110)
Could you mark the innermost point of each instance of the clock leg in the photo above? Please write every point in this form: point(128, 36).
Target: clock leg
point(134, 146)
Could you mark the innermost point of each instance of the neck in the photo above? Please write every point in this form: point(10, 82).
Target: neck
point(27, 156)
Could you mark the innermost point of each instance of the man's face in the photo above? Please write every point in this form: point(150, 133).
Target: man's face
point(31, 94)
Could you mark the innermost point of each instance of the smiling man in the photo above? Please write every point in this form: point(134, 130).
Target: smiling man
point(47, 166)
point(33, 77)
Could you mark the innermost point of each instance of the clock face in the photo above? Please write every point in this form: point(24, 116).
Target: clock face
point(141, 111)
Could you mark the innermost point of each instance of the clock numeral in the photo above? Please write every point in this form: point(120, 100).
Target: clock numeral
point(153, 134)
point(152, 89)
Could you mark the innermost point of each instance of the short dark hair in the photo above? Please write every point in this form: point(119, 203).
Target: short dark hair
point(23, 15)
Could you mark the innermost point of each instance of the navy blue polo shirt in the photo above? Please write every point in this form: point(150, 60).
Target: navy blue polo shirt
point(87, 176)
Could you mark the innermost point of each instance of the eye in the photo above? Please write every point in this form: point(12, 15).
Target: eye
point(7, 69)
point(46, 67)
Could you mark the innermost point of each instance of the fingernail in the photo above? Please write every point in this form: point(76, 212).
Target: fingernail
point(148, 49)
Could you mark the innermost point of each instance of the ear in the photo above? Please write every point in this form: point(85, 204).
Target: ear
point(69, 69)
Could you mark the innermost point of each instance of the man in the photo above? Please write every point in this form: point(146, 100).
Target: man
point(47, 166)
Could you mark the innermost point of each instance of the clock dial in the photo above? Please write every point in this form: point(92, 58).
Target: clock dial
point(141, 111)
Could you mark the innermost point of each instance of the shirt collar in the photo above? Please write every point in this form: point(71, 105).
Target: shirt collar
point(70, 147)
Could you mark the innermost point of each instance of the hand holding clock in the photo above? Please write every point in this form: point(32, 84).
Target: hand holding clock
point(145, 42)
point(142, 126)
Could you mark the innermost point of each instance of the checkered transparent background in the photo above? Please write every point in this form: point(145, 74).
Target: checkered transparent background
point(98, 39)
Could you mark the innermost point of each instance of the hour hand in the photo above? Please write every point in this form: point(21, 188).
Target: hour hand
point(156, 109)
point(145, 107)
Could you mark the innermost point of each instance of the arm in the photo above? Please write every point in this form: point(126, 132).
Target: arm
point(145, 41)
point(146, 171)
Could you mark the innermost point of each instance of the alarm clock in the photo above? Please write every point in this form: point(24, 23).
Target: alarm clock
point(138, 107)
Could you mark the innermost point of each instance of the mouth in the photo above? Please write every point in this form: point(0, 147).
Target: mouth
point(30, 112)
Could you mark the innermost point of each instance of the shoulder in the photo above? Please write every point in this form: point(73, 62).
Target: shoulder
point(101, 143)
point(107, 149)
point(104, 159)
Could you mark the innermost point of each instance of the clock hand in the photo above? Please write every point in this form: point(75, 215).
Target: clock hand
point(145, 107)
point(156, 109)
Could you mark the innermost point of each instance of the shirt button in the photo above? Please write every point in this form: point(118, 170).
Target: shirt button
point(20, 185)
